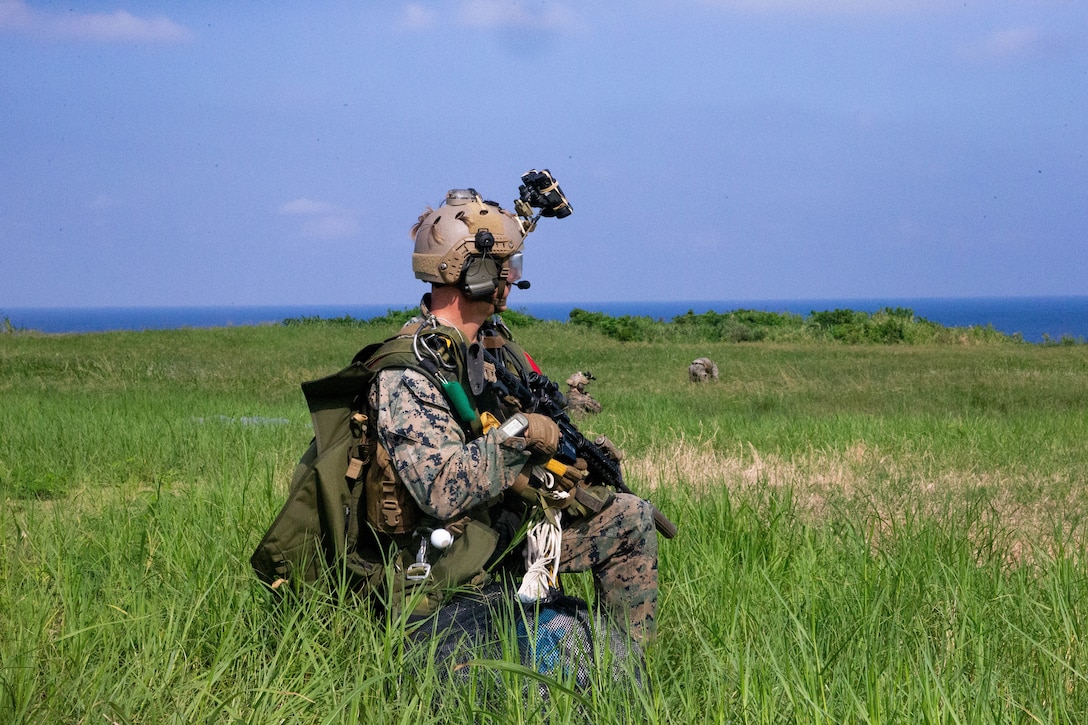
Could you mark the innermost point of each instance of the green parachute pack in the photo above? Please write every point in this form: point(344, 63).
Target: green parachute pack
point(317, 529)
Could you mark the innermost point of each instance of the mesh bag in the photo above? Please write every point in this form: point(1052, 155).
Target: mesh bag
point(559, 637)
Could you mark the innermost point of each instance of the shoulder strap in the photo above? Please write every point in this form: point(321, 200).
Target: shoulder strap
point(333, 398)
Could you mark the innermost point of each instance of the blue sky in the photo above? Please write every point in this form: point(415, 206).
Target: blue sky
point(159, 153)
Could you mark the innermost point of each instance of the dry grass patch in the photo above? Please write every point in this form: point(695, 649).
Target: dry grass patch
point(1021, 515)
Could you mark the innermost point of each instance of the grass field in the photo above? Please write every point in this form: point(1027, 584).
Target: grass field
point(868, 534)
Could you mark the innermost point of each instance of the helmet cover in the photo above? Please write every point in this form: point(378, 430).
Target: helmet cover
point(445, 238)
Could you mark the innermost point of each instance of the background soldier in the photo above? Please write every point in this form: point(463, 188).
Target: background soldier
point(702, 370)
point(579, 402)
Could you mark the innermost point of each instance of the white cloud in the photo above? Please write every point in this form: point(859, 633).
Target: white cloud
point(308, 207)
point(826, 7)
point(505, 14)
point(1012, 43)
point(490, 14)
point(416, 17)
point(322, 220)
point(330, 227)
point(102, 202)
point(116, 27)
point(14, 14)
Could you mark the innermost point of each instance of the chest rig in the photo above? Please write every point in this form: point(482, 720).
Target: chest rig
point(464, 378)
point(430, 557)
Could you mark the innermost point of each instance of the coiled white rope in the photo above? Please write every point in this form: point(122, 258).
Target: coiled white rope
point(541, 559)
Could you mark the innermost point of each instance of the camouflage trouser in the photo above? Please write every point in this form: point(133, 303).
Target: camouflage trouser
point(619, 545)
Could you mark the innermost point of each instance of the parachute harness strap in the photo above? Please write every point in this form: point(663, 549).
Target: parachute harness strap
point(424, 342)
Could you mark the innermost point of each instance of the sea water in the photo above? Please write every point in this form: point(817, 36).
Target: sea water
point(1034, 318)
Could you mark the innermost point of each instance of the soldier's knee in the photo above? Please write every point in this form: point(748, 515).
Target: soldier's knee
point(636, 513)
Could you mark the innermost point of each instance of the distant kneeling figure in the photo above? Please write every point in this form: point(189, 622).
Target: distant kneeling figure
point(702, 370)
point(580, 402)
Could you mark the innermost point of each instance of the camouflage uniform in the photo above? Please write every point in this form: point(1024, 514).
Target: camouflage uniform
point(579, 402)
point(449, 476)
point(702, 370)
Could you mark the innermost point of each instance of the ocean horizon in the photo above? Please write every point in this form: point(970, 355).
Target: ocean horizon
point(1035, 319)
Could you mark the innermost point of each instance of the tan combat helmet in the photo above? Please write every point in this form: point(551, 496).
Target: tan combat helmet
point(446, 237)
point(579, 380)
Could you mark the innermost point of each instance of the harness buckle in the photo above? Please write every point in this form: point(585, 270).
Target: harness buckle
point(417, 571)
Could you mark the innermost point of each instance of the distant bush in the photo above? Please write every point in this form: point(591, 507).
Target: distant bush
point(1064, 340)
point(890, 325)
point(739, 325)
point(625, 328)
point(887, 326)
point(520, 318)
point(395, 318)
point(391, 317)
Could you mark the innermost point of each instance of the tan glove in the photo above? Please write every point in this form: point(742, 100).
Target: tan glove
point(573, 475)
point(542, 436)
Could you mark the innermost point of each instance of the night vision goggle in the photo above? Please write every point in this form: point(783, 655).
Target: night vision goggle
point(484, 273)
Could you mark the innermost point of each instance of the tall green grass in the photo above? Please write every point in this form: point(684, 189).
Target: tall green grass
point(868, 534)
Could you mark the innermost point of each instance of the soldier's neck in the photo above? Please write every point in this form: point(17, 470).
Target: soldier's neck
point(454, 309)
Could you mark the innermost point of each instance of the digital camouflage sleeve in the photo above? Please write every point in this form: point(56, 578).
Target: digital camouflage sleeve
point(445, 474)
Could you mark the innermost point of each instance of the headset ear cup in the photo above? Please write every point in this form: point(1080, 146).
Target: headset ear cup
point(481, 277)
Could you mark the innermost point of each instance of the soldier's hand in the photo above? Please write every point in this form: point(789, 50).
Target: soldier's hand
point(573, 475)
point(541, 435)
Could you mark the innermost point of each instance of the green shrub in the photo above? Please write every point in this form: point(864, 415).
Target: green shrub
point(889, 325)
point(391, 317)
point(625, 328)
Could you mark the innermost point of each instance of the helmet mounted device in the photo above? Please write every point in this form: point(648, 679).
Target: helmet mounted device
point(476, 244)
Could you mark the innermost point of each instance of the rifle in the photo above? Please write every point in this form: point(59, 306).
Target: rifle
point(538, 394)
